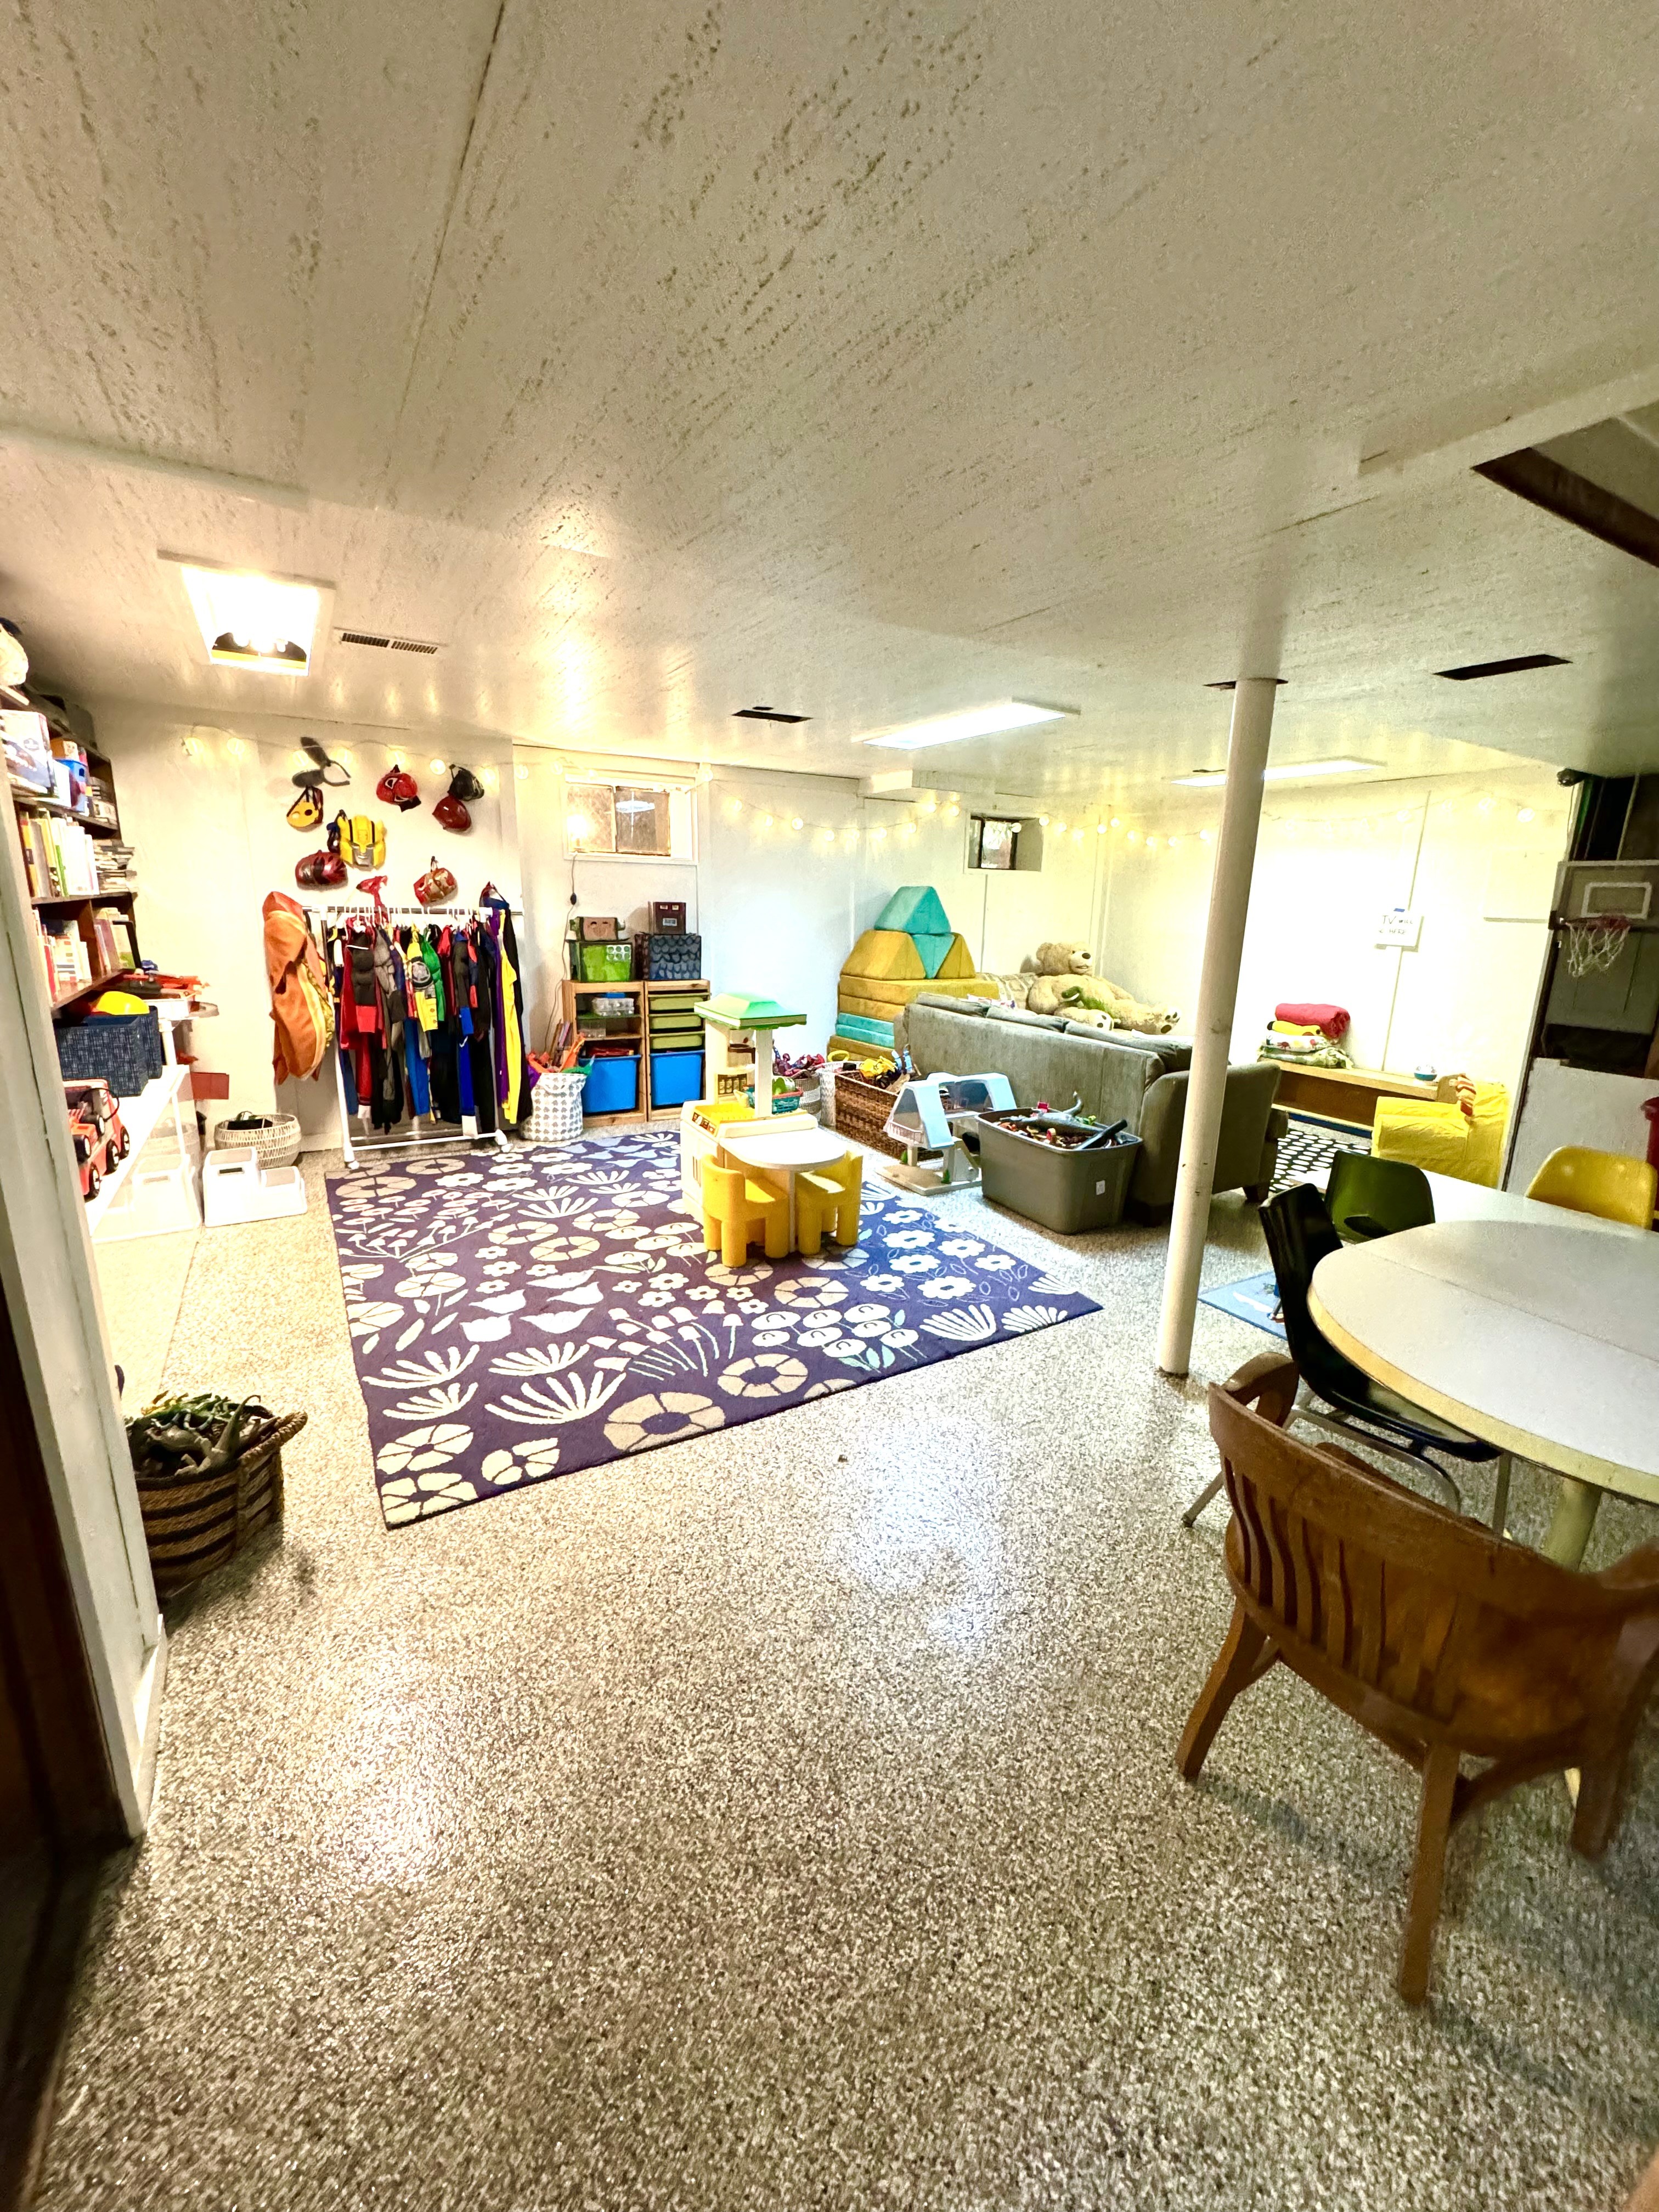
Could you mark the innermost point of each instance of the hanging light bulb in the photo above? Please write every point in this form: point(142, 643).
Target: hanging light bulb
point(1117, 822)
point(906, 830)
point(1134, 836)
point(1204, 836)
point(795, 823)
point(1042, 822)
point(952, 811)
point(1524, 813)
point(489, 779)
point(235, 748)
point(877, 835)
point(736, 806)
point(522, 772)
point(1174, 842)
point(1059, 829)
point(1405, 814)
point(1100, 829)
point(1484, 804)
point(930, 806)
point(766, 821)
point(829, 836)
point(438, 766)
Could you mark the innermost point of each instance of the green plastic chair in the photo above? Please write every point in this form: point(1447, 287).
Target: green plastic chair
point(1368, 1197)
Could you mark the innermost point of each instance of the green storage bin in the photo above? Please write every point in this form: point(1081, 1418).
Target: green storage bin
point(611, 962)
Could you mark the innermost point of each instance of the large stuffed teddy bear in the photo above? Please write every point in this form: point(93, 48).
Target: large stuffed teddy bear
point(1064, 984)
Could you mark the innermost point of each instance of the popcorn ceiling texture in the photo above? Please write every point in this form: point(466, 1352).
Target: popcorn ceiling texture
point(789, 1818)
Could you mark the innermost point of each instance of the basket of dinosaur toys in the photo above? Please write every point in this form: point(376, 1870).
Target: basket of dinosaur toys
point(210, 1475)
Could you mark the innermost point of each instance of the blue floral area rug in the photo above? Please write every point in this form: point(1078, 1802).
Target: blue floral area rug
point(518, 1316)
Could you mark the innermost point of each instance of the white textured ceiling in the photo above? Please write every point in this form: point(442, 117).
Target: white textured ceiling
point(868, 360)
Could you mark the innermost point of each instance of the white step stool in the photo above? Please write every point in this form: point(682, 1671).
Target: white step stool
point(236, 1188)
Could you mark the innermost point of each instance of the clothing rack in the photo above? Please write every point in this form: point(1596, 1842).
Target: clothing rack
point(372, 909)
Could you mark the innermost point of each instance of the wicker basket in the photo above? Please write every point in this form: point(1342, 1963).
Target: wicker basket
point(277, 1147)
point(555, 1106)
point(861, 1109)
point(190, 1527)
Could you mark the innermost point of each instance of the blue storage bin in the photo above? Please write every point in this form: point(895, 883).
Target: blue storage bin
point(676, 1076)
point(612, 1084)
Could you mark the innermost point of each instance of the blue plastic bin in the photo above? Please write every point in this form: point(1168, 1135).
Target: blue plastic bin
point(612, 1084)
point(676, 1076)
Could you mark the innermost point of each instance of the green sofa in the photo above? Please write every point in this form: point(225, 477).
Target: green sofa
point(1115, 1074)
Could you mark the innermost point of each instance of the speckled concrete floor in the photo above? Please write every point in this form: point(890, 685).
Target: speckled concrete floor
point(789, 1818)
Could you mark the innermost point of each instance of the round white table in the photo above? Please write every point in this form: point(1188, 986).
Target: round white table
point(1543, 1339)
point(777, 1157)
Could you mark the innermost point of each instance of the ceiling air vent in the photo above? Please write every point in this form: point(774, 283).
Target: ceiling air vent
point(383, 642)
point(1472, 671)
point(767, 714)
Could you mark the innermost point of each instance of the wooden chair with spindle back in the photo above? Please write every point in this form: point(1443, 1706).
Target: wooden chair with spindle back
point(1440, 1639)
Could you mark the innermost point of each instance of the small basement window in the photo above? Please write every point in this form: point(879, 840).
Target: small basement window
point(628, 818)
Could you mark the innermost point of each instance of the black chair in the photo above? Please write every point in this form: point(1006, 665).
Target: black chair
point(1299, 1236)
point(1367, 1197)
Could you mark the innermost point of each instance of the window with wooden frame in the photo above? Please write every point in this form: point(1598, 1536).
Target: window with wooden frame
point(626, 818)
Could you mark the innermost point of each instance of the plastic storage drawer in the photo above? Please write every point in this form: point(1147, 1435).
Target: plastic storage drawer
point(675, 1078)
point(612, 1084)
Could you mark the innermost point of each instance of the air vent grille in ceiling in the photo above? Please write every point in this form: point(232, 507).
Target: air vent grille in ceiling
point(1472, 671)
point(383, 641)
point(767, 714)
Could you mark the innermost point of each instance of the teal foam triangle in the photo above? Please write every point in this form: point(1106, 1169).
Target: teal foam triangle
point(933, 950)
point(916, 909)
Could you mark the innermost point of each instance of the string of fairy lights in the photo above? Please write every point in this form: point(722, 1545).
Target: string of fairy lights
point(768, 815)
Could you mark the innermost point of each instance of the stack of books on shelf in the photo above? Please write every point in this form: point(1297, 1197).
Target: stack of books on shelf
point(113, 933)
point(114, 863)
point(58, 856)
point(67, 962)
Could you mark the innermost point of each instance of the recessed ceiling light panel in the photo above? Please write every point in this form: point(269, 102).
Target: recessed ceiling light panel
point(972, 722)
point(265, 624)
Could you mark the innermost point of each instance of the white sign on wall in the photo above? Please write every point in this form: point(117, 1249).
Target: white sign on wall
point(1402, 926)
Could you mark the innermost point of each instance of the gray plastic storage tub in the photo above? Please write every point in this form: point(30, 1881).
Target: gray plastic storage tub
point(1070, 1191)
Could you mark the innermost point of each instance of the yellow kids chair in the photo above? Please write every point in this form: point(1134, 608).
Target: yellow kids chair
point(829, 1198)
point(737, 1213)
point(1609, 1184)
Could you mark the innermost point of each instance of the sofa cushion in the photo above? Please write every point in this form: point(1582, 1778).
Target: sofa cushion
point(1176, 1053)
point(1025, 1018)
point(962, 1006)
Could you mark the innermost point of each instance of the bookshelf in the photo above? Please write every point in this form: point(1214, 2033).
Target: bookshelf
point(76, 864)
point(642, 1030)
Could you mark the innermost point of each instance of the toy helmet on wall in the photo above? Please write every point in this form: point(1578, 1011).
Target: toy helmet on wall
point(320, 870)
point(436, 886)
point(306, 810)
point(463, 784)
point(452, 814)
point(397, 789)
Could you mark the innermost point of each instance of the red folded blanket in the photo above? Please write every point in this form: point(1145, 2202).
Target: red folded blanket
point(1333, 1020)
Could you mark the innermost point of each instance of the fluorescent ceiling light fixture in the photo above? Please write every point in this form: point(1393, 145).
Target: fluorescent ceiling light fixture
point(972, 722)
point(1209, 779)
point(266, 623)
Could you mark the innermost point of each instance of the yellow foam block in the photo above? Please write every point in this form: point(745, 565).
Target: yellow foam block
point(957, 963)
point(1441, 1138)
point(890, 953)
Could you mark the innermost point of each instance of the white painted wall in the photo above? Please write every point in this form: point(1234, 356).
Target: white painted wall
point(1462, 999)
point(209, 828)
point(779, 908)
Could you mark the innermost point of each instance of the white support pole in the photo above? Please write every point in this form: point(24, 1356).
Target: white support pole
point(1217, 991)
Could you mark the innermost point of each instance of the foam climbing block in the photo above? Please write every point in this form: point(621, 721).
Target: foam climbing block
point(933, 949)
point(890, 953)
point(915, 908)
point(958, 965)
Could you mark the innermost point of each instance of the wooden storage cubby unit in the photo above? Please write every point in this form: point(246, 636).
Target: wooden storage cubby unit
point(636, 1030)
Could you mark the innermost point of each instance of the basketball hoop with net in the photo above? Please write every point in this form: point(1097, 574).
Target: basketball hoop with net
point(1593, 943)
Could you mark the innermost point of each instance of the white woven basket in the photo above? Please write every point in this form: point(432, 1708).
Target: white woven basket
point(278, 1146)
point(555, 1106)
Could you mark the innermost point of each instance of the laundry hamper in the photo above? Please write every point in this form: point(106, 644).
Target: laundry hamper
point(190, 1527)
point(275, 1143)
point(555, 1106)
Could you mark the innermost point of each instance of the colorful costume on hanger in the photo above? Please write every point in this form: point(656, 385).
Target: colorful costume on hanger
point(301, 1004)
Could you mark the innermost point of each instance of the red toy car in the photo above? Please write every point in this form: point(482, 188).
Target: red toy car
point(97, 1132)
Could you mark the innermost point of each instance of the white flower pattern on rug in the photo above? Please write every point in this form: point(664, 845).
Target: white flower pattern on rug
point(516, 1317)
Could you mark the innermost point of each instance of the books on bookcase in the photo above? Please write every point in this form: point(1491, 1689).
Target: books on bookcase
point(113, 934)
point(67, 962)
point(58, 856)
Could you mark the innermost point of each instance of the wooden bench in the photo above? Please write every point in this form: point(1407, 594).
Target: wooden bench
point(1349, 1094)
